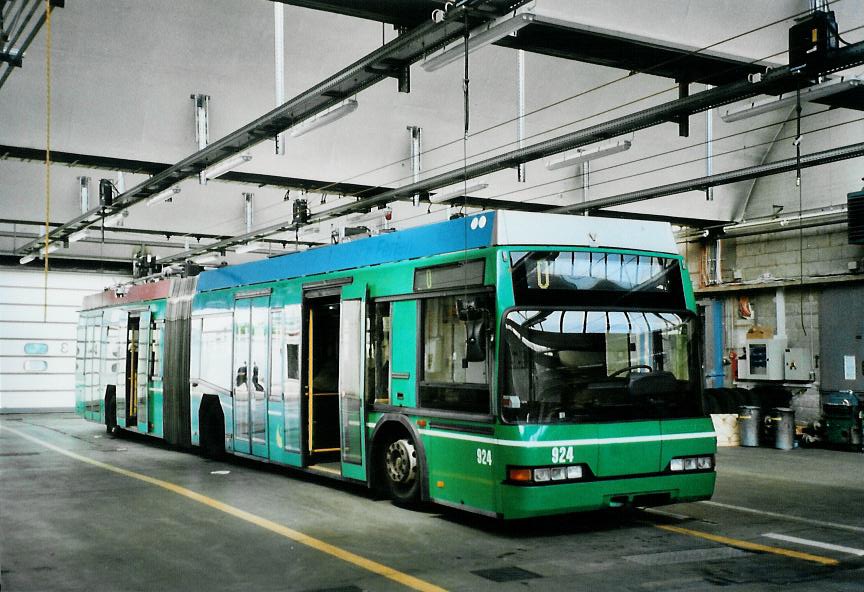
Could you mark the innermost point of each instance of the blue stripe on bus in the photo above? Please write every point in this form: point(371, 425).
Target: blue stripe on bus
point(434, 239)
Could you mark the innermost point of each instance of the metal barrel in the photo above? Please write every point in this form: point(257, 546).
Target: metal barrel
point(749, 422)
point(784, 428)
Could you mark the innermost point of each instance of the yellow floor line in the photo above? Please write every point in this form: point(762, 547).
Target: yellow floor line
point(294, 535)
point(749, 546)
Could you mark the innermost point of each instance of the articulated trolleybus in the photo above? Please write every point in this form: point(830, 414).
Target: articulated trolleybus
point(505, 363)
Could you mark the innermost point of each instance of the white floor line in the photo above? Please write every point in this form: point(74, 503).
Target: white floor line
point(798, 519)
point(819, 544)
point(666, 513)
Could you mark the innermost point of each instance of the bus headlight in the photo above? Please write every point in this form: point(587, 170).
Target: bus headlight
point(691, 463)
point(545, 475)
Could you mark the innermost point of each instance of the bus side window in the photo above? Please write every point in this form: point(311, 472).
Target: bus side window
point(378, 339)
point(449, 380)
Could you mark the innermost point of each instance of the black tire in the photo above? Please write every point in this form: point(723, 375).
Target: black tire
point(110, 410)
point(211, 430)
point(400, 468)
point(711, 404)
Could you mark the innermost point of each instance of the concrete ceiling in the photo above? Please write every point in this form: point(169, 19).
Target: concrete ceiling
point(122, 73)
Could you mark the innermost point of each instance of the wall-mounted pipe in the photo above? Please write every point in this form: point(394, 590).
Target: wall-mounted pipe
point(416, 150)
point(247, 199)
point(520, 119)
point(279, 55)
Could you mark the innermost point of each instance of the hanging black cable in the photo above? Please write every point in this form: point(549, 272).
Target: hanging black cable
point(800, 204)
point(466, 113)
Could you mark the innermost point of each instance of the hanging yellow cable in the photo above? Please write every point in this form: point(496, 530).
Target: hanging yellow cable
point(47, 150)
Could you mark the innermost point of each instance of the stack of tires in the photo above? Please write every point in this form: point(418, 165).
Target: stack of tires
point(729, 400)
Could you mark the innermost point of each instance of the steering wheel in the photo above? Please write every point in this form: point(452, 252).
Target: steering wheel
point(629, 368)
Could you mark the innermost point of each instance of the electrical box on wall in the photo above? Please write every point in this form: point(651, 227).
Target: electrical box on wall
point(770, 359)
point(797, 364)
point(763, 359)
point(855, 212)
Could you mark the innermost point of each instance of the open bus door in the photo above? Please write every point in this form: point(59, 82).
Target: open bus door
point(333, 378)
point(142, 370)
point(352, 333)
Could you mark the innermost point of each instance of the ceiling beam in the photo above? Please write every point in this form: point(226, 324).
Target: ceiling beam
point(198, 236)
point(775, 81)
point(704, 183)
point(369, 70)
point(147, 167)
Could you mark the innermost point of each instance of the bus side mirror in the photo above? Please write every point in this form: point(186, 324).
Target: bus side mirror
point(474, 315)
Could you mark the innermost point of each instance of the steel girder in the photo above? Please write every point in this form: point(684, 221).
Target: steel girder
point(389, 60)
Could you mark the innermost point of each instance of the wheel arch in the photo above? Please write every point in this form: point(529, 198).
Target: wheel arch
point(388, 426)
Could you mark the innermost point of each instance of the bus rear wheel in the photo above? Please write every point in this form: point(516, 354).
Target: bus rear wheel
point(401, 471)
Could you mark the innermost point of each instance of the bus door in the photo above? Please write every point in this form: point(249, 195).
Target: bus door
point(250, 381)
point(352, 333)
point(130, 378)
point(117, 343)
point(142, 371)
point(321, 374)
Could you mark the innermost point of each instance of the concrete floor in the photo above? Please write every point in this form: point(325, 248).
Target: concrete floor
point(68, 525)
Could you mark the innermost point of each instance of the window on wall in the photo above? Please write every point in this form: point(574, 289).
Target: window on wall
point(452, 378)
point(378, 339)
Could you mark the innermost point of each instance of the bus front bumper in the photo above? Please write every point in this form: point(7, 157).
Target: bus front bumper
point(521, 501)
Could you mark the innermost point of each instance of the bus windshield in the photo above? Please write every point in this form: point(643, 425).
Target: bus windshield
point(591, 366)
point(593, 278)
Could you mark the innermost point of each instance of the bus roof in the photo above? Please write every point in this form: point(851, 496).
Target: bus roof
point(486, 229)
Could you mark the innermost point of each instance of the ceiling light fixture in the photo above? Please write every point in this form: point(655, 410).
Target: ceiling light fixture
point(79, 236)
point(116, 219)
point(585, 154)
point(325, 118)
point(223, 166)
point(27, 259)
point(373, 216)
point(444, 197)
point(811, 93)
point(249, 247)
point(206, 259)
point(163, 195)
point(478, 40)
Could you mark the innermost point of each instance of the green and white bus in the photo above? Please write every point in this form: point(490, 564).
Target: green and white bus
point(506, 363)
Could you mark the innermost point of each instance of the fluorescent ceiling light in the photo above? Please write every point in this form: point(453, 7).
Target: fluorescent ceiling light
point(163, 195)
point(442, 197)
point(206, 259)
point(373, 216)
point(52, 247)
point(478, 40)
point(585, 154)
point(79, 236)
point(323, 119)
point(27, 259)
point(324, 207)
point(116, 219)
point(731, 229)
point(811, 93)
point(314, 233)
point(249, 247)
point(223, 166)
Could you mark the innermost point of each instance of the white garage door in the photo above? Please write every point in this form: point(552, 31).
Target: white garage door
point(37, 356)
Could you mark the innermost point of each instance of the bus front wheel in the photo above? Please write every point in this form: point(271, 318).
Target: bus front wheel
point(401, 470)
